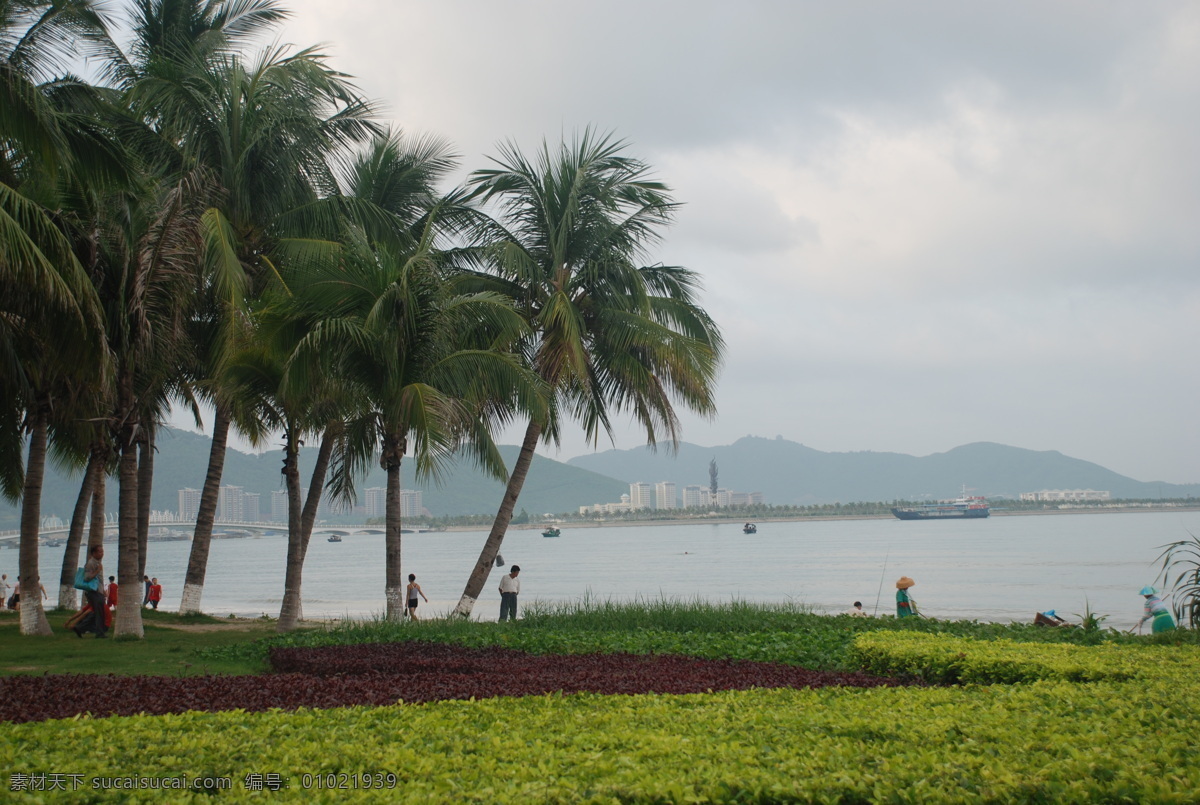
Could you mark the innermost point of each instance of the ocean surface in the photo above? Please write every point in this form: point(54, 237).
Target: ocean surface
point(1002, 569)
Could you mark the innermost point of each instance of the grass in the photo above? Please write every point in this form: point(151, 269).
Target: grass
point(170, 647)
point(1045, 740)
point(739, 630)
point(779, 633)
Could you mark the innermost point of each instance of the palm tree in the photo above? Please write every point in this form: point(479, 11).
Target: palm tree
point(608, 335)
point(172, 41)
point(429, 360)
point(320, 405)
point(264, 133)
point(91, 484)
point(49, 317)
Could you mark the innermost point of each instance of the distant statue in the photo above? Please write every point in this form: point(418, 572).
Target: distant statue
point(712, 477)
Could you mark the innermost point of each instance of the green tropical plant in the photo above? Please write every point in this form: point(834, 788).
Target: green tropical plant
point(428, 361)
point(608, 335)
point(51, 154)
point(264, 133)
point(1090, 621)
point(430, 364)
point(1181, 569)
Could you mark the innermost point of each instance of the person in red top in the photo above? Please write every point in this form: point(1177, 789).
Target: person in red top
point(155, 593)
point(111, 600)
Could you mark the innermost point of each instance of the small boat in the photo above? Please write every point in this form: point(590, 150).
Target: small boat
point(749, 528)
point(335, 538)
point(551, 532)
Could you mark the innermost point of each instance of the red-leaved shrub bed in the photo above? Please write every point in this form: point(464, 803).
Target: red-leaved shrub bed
point(387, 673)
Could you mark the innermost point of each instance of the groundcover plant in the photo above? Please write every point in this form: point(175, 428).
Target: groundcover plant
point(389, 673)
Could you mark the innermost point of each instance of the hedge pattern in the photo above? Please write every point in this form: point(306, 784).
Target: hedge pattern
point(1041, 742)
point(382, 674)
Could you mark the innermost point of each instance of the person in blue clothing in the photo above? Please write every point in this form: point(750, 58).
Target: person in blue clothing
point(1156, 611)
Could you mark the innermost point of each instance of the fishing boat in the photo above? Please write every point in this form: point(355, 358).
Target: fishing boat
point(749, 528)
point(551, 531)
point(334, 538)
point(962, 508)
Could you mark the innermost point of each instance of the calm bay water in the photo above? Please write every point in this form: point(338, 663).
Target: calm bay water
point(999, 569)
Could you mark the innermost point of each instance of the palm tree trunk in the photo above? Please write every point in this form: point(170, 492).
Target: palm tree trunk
point(145, 486)
point(491, 547)
point(193, 583)
point(96, 526)
point(68, 598)
point(394, 447)
point(33, 616)
point(291, 480)
point(128, 622)
point(293, 609)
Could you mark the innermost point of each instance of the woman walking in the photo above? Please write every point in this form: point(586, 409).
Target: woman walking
point(414, 590)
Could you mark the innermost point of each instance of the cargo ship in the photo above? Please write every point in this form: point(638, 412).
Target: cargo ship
point(963, 508)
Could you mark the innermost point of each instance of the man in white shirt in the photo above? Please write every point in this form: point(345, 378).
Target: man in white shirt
point(510, 586)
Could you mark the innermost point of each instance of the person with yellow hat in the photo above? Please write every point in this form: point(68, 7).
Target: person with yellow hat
point(905, 606)
point(1155, 610)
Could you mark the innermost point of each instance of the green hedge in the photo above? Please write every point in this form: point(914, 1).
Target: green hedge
point(944, 658)
point(1109, 741)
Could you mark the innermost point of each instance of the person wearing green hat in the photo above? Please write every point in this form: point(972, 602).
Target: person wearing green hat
point(1156, 611)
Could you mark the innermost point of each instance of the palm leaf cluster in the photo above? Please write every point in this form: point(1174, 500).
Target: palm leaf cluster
point(1181, 570)
point(210, 221)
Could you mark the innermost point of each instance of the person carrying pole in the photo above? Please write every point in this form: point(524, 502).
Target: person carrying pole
point(906, 607)
point(1156, 611)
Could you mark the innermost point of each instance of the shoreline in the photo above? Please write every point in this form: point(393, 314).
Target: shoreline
point(806, 518)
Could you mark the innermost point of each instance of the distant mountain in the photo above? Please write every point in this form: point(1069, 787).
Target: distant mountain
point(790, 473)
point(182, 460)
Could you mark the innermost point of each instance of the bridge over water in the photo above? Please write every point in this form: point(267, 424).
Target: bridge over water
point(52, 536)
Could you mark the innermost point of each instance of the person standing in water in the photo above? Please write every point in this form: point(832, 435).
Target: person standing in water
point(414, 590)
point(1156, 611)
point(905, 606)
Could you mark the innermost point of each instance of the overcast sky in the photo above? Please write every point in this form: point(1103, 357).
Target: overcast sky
point(919, 225)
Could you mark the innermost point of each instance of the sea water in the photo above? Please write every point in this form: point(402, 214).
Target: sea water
point(1002, 569)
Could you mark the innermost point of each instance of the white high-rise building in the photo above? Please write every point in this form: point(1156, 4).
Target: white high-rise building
point(279, 506)
point(640, 496)
point(189, 503)
point(231, 504)
point(410, 503)
point(253, 507)
point(694, 496)
point(375, 501)
point(664, 495)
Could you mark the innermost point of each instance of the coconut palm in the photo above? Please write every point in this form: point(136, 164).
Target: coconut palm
point(264, 133)
point(608, 335)
point(49, 316)
point(318, 406)
point(429, 361)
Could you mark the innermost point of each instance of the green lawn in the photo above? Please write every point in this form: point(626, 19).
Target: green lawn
point(1038, 715)
point(170, 647)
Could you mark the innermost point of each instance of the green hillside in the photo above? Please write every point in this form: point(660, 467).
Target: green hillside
point(183, 458)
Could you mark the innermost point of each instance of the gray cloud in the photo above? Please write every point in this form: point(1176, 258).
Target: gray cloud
point(919, 224)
